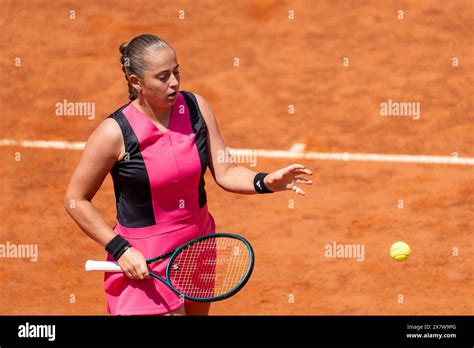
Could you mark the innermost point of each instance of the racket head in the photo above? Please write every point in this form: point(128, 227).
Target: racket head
point(211, 268)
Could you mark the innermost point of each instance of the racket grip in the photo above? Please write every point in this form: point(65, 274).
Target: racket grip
point(102, 266)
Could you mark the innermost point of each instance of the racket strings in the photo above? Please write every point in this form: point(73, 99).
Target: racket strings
point(210, 267)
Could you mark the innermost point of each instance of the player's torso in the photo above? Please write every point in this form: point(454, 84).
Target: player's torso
point(160, 177)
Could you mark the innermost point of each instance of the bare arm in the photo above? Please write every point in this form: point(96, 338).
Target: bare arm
point(102, 151)
point(238, 179)
point(104, 147)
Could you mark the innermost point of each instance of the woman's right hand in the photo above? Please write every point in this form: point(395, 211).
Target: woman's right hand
point(133, 264)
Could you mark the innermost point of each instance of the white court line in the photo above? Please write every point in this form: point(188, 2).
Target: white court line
point(298, 147)
point(374, 157)
point(44, 144)
point(66, 145)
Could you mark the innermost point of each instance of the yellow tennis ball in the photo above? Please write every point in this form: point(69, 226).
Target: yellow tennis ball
point(400, 251)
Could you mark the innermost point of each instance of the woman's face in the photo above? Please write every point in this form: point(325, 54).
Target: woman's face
point(160, 83)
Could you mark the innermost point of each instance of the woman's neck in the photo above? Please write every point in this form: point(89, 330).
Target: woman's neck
point(156, 114)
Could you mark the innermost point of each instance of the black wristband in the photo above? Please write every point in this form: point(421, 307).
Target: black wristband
point(259, 185)
point(117, 246)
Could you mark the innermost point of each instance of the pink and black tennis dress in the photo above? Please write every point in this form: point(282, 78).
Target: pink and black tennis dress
point(160, 199)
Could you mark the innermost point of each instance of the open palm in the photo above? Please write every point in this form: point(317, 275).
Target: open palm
point(287, 179)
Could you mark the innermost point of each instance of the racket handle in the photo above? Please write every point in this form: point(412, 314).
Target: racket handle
point(102, 266)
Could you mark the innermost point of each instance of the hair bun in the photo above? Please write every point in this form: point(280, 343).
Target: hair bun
point(123, 47)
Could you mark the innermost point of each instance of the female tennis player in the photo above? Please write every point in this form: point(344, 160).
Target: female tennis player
point(157, 148)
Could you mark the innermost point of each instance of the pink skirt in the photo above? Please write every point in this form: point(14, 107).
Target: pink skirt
point(150, 296)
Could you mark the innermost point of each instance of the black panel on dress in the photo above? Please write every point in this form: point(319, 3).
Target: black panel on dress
point(200, 130)
point(131, 182)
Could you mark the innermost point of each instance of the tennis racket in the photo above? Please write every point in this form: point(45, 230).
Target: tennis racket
point(206, 269)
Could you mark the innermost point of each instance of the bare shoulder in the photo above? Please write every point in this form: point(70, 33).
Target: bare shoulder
point(205, 107)
point(107, 137)
point(110, 128)
point(200, 99)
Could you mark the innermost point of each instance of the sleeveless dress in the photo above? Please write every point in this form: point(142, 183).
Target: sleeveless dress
point(160, 199)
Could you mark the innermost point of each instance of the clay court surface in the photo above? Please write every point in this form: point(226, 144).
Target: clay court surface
point(282, 62)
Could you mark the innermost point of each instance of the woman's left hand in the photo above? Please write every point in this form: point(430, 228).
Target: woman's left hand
point(287, 179)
